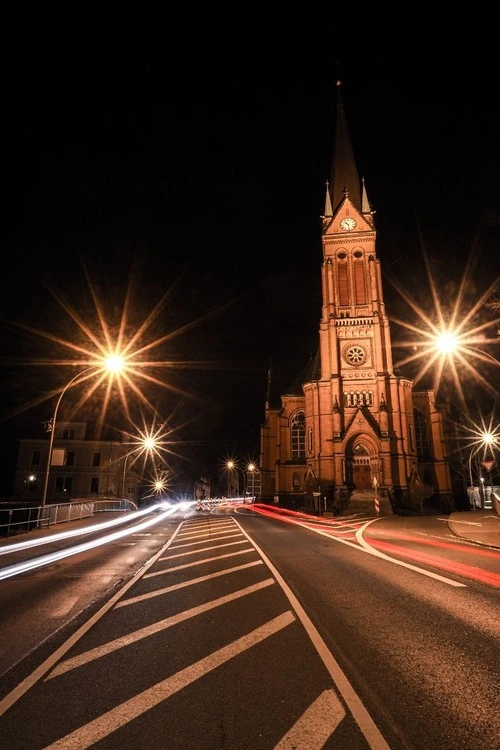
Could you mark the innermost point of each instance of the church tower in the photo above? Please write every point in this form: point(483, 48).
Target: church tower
point(346, 428)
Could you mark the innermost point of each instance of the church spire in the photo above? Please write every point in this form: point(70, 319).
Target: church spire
point(344, 179)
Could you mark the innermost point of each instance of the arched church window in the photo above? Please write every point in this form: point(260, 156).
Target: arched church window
point(298, 435)
point(358, 398)
point(296, 481)
point(421, 434)
point(310, 440)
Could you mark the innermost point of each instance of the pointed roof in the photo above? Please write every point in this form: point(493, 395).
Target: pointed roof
point(344, 180)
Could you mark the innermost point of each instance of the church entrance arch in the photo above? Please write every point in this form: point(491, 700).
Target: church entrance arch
point(361, 467)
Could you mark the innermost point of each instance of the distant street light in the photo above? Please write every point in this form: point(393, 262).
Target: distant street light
point(231, 470)
point(251, 468)
point(249, 472)
point(146, 444)
point(486, 439)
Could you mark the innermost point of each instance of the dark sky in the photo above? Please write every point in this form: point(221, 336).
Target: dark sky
point(208, 180)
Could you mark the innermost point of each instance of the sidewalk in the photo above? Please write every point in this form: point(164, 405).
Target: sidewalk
point(480, 526)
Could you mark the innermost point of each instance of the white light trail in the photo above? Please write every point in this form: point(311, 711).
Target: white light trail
point(28, 544)
point(39, 562)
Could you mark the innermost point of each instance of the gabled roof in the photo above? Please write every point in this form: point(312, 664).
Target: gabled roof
point(368, 420)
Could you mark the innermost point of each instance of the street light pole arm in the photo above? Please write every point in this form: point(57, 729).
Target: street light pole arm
point(53, 430)
point(485, 354)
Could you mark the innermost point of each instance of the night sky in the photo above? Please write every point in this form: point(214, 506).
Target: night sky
point(208, 183)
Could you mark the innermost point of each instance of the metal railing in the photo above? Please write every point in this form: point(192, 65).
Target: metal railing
point(21, 519)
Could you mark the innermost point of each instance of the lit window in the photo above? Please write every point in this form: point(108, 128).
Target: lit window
point(298, 435)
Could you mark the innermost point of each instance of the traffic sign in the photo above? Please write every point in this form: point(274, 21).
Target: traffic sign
point(488, 465)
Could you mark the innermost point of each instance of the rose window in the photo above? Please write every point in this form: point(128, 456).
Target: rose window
point(355, 355)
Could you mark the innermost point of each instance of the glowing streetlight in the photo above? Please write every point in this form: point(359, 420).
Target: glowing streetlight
point(446, 342)
point(487, 439)
point(111, 365)
point(251, 468)
point(233, 468)
point(146, 446)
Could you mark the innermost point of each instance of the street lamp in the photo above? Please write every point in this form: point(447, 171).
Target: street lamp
point(232, 467)
point(145, 444)
point(251, 468)
point(112, 364)
point(73, 381)
point(487, 439)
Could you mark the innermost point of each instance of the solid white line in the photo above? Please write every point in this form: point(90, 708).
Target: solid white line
point(204, 549)
point(183, 584)
point(206, 531)
point(315, 725)
point(354, 704)
point(199, 562)
point(363, 546)
point(156, 627)
point(104, 725)
point(203, 541)
point(376, 553)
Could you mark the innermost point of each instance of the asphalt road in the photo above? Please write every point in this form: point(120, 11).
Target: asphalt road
point(237, 630)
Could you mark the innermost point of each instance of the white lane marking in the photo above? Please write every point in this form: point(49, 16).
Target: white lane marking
point(353, 702)
point(376, 553)
point(204, 549)
point(365, 547)
point(199, 562)
point(117, 717)
point(47, 665)
point(183, 584)
point(219, 526)
point(168, 622)
point(203, 541)
point(315, 725)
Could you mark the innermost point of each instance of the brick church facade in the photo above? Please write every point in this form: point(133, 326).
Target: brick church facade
point(349, 427)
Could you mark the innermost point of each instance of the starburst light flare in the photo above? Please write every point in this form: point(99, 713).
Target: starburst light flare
point(448, 338)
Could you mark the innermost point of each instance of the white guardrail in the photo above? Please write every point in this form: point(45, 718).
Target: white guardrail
point(22, 519)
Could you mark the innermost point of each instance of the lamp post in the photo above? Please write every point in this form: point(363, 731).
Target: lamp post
point(471, 482)
point(247, 474)
point(251, 469)
point(53, 429)
point(112, 364)
point(146, 444)
point(487, 439)
point(231, 470)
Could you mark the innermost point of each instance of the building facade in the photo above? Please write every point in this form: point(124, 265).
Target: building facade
point(349, 424)
point(80, 467)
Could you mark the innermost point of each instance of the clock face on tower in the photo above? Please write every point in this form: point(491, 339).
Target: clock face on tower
point(348, 223)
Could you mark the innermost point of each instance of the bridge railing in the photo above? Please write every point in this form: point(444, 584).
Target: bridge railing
point(20, 519)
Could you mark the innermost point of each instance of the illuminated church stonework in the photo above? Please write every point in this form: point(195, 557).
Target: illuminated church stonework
point(349, 427)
